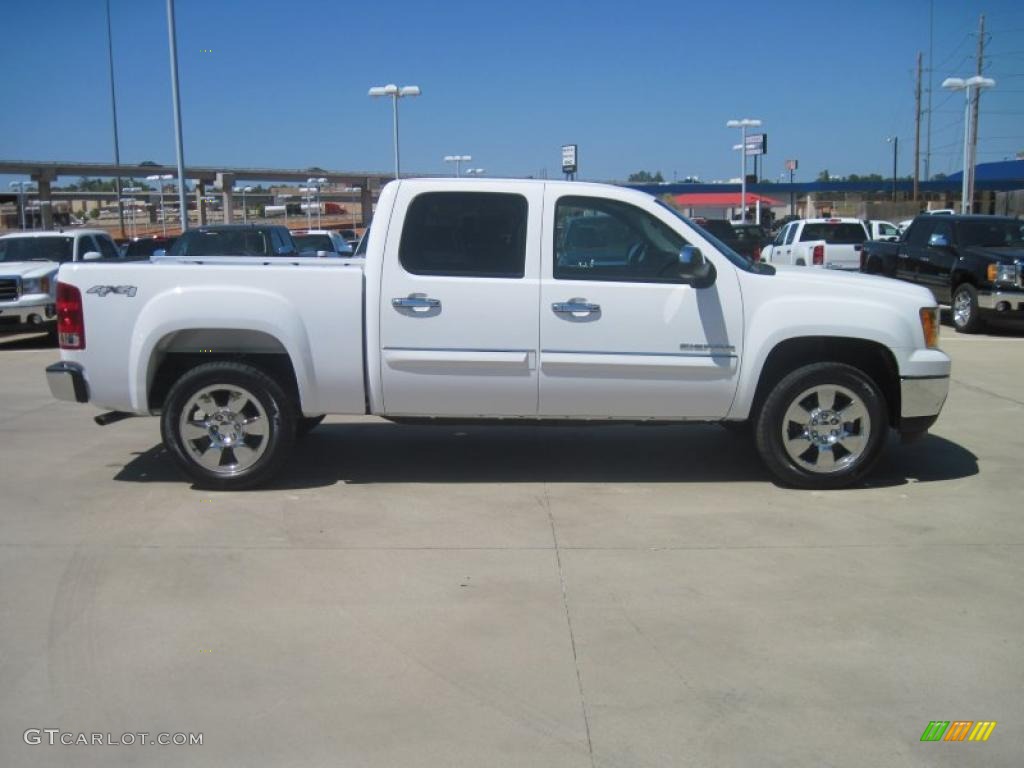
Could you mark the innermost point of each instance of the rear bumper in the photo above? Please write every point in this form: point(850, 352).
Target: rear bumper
point(921, 400)
point(67, 382)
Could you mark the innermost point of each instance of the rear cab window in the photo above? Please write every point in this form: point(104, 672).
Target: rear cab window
point(465, 234)
point(838, 233)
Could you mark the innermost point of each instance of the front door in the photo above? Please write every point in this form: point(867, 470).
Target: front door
point(621, 335)
point(458, 309)
point(935, 264)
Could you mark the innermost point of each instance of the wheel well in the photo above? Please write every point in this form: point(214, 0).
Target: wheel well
point(872, 358)
point(962, 276)
point(180, 352)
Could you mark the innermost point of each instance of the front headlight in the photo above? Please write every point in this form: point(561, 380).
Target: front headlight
point(930, 326)
point(1003, 273)
point(37, 284)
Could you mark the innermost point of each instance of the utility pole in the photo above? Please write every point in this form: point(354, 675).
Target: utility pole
point(931, 67)
point(974, 110)
point(917, 129)
point(113, 108)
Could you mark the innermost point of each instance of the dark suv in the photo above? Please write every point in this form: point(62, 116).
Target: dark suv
point(235, 240)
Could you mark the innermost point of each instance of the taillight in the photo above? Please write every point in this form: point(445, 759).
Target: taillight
point(818, 255)
point(70, 320)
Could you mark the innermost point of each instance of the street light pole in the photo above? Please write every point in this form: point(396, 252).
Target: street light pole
point(895, 141)
point(21, 186)
point(395, 93)
point(960, 84)
point(458, 160)
point(743, 124)
point(172, 42)
point(113, 109)
point(243, 190)
point(160, 179)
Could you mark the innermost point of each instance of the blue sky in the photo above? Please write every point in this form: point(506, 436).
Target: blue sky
point(644, 85)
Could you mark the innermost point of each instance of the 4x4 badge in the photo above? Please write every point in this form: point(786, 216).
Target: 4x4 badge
point(103, 290)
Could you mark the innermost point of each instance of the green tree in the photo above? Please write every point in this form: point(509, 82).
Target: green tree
point(645, 177)
point(823, 176)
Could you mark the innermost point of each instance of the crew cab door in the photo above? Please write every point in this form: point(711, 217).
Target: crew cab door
point(913, 250)
point(622, 336)
point(459, 301)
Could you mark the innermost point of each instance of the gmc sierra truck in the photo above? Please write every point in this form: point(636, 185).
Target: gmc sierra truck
point(479, 300)
point(831, 243)
point(973, 263)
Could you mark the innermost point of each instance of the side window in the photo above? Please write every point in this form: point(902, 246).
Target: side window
point(465, 234)
point(792, 232)
point(919, 233)
point(781, 236)
point(107, 248)
point(887, 230)
point(600, 239)
point(942, 227)
point(277, 241)
point(85, 244)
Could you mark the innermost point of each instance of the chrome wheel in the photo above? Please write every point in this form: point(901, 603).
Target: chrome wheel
point(224, 428)
point(962, 309)
point(826, 429)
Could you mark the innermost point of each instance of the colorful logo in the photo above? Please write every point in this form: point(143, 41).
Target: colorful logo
point(958, 730)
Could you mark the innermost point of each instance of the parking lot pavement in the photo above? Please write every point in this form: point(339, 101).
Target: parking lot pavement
point(512, 596)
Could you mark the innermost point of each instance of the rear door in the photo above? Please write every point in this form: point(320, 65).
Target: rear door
point(621, 336)
point(459, 301)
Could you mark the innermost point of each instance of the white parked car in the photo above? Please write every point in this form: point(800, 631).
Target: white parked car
point(28, 270)
point(321, 242)
point(481, 300)
point(833, 243)
point(882, 230)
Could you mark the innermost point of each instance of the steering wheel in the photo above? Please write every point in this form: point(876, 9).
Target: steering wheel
point(636, 253)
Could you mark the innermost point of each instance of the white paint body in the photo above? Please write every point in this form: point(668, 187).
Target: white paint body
point(789, 247)
point(493, 347)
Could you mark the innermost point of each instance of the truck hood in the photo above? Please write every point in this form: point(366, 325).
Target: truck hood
point(806, 279)
point(27, 269)
point(1002, 255)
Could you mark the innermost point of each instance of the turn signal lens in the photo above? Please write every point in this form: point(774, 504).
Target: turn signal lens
point(930, 326)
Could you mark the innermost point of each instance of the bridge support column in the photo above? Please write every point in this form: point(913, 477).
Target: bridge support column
point(43, 181)
point(201, 201)
point(226, 184)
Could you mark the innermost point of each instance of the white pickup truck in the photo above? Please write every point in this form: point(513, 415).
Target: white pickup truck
point(480, 300)
point(831, 243)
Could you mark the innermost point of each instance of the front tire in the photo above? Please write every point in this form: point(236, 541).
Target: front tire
point(822, 427)
point(966, 317)
point(228, 425)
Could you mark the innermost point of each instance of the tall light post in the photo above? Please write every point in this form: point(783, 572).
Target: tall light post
point(160, 179)
point(22, 187)
point(131, 191)
point(743, 124)
point(975, 83)
point(243, 190)
point(395, 93)
point(895, 141)
point(458, 160)
point(172, 44)
point(316, 186)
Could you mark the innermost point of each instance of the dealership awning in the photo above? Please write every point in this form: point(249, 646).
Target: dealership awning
point(720, 199)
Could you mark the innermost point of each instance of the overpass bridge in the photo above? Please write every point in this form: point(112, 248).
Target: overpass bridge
point(221, 178)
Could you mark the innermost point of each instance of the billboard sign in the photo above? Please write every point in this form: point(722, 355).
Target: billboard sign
point(756, 144)
point(569, 152)
point(792, 165)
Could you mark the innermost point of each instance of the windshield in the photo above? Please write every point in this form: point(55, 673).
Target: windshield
point(230, 242)
point(724, 249)
point(59, 249)
point(998, 233)
point(313, 243)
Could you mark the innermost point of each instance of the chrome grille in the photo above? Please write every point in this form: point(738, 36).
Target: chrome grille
point(10, 289)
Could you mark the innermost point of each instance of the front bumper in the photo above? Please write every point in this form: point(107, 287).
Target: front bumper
point(921, 400)
point(67, 382)
point(1007, 300)
point(38, 315)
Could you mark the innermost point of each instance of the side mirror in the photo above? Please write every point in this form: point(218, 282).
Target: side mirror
point(160, 252)
point(938, 241)
point(694, 268)
point(92, 256)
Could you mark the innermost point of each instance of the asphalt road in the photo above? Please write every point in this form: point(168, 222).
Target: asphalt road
point(413, 596)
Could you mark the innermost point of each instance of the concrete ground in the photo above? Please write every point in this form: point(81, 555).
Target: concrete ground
point(412, 596)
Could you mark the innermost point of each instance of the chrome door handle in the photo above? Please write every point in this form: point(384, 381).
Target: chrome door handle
point(415, 302)
point(574, 306)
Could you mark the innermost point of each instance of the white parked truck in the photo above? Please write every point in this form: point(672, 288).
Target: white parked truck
point(480, 300)
point(832, 243)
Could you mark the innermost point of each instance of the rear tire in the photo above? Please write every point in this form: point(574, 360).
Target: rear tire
point(964, 309)
point(228, 425)
point(822, 427)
